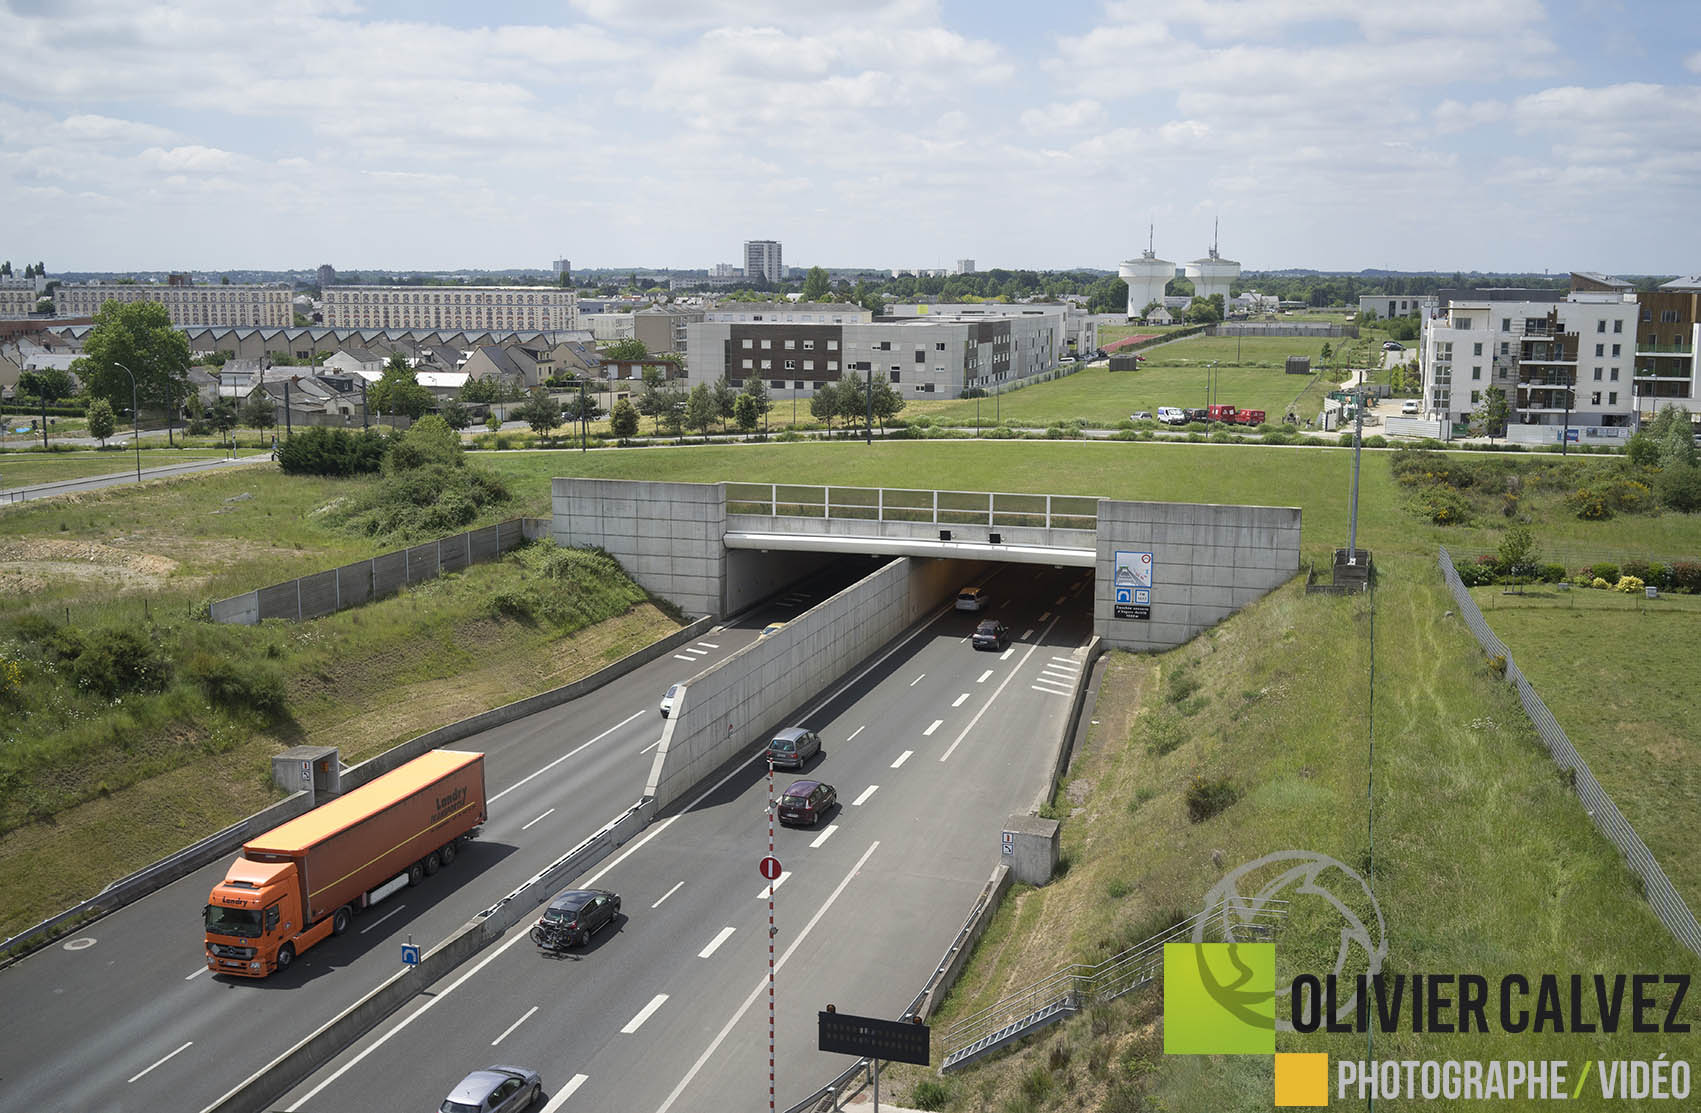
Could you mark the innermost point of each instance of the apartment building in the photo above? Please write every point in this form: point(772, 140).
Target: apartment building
point(762, 261)
point(1080, 328)
point(499, 308)
point(1668, 337)
point(17, 298)
point(932, 357)
point(1565, 364)
point(789, 312)
point(665, 328)
point(1384, 306)
point(270, 305)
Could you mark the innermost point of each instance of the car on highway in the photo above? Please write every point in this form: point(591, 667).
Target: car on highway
point(971, 599)
point(1409, 406)
point(1393, 346)
point(792, 747)
point(806, 802)
point(991, 634)
point(667, 700)
point(499, 1089)
point(574, 916)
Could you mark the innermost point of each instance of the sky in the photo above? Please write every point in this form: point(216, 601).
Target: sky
point(1494, 135)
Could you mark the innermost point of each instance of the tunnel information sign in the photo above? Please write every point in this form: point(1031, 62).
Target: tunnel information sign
point(895, 1041)
point(1131, 581)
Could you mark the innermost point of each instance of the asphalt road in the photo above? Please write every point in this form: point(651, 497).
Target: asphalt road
point(114, 479)
point(930, 751)
point(124, 1017)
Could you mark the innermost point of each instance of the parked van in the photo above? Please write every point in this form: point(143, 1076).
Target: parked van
point(1409, 406)
point(1170, 415)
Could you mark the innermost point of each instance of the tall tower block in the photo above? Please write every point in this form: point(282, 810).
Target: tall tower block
point(1213, 274)
point(1146, 278)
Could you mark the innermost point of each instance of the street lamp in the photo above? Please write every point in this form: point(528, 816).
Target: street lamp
point(135, 418)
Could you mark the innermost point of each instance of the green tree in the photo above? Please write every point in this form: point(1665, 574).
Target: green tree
point(824, 404)
point(853, 400)
point(579, 407)
point(493, 421)
point(816, 285)
point(725, 398)
point(455, 415)
point(223, 416)
point(627, 349)
point(1204, 311)
point(623, 420)
point(1151, 305)
point(700, 412)
point(259, 413)
point(1519, 556)
point(101, 421)
point(541, 412)
point(888, 403)
point(757, 389)
point(671, 403)
point(746, 413)
point(479, 391)
point(1489, 418)
point(49, 385)
point(1672, 432)
point(397, 391)
point(138, 336)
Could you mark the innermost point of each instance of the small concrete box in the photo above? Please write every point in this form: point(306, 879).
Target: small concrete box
point(1030, 848)
point(315, 770)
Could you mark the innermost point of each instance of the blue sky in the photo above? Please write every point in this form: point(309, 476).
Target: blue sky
point(1335, 134)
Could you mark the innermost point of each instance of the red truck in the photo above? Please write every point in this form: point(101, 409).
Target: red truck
point(1248, 417)
point(303, 880)
point(1229, 415)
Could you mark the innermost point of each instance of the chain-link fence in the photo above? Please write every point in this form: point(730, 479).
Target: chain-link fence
point(1656, 886)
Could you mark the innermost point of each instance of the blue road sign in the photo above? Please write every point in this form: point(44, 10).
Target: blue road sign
point(410, 954)
point(1125, 595)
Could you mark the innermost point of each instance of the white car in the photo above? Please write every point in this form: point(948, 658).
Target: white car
point(1141, 416)
point(1170, 415)
point(1410, 406)
point(971, 599)
point(667, 700)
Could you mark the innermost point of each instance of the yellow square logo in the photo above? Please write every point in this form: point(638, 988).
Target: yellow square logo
point(1302, 1079)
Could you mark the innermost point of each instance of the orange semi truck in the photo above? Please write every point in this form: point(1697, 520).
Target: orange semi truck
point(303, 880)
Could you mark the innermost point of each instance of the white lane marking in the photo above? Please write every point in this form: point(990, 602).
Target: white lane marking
point(683, 657)
point(694, 651)
point(996, 692)
point(903, 757)
point(381, 919)
point(856, 732)
point(1045, 616)
point(824, 836)
point(1056, 677)
point(715, 943)
point(983, 676)
point(510, 1029)
point(710, 645)
point(564, 757)
point(778, 881)
point(1028, 633)
point(1066, 662)
point(196, 974)
point(762, 985)
point(917, 680)
point(539, 819)
point(667, 894)
point(1050, 691)
point(960, 700)
point(931, 728)
point(866, 793)
point(651, 746)
point(1005, 656)
point(644, 1014)
point(565, 1092)
point(177, 1052)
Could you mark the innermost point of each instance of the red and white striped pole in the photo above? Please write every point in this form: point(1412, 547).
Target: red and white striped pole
point(770, 938)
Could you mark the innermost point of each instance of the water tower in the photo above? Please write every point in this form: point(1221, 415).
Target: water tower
point(1146, 278)
point(1213, 274)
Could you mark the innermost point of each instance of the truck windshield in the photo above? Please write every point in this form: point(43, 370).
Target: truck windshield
point(243, 922)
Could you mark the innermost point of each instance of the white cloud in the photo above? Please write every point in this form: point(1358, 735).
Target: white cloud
point(1693, 62)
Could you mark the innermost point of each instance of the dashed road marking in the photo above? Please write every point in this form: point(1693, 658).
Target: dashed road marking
point(778, 881)
point(565, 1092)
point(903, 757)
point(824, 836)
point(983, 676)
point(539, 819)
point(667, 894)
point(863, 799)
point(510, 1029)
point(644, 1014)
point(160, 1062)
point(933, 727)
point(958, 702)
point(714, 944)
point(917, 680)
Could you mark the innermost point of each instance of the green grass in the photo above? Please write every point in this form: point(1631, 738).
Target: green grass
point(23, 469)
point(1617, 672)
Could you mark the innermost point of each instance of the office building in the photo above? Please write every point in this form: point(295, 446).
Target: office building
point(262, 306)
point(561, 268)
point(965, 266)
point(500, 308)
point(762, 261)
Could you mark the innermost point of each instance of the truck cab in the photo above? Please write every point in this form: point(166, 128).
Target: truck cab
point(250, 916)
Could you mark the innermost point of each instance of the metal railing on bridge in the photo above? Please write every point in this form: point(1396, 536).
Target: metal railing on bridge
point(897, 504)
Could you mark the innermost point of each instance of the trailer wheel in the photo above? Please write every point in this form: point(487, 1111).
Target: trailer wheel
point(433, 863)
point(416, 873)
point(286, 955)
point(450, 849)
point(339, 920)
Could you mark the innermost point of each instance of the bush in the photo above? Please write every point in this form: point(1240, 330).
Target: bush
point(1686, 576)
point(1630, 585)
point(930, 1094)
point(239, 686)
point(1209, 798)
point(1599, 582)
point(1552, 573)
point(114, 662)
point(1162, 732)
point(336, 452)
point(1680, 488)
point(1641, 569)
point(1602, 570)
point(1478, 574)
point(1445, 506)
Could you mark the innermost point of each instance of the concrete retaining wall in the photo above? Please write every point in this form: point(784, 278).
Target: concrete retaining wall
point(666, 535)
point(737, 702)
point(1417, 427)
point(752, 575)
point(1207, 562)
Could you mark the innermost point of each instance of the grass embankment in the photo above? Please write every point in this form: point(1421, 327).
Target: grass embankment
point(101, 778)
point(24, 469)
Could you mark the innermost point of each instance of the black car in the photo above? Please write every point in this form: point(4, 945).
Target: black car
point(991, 634)
point(807, 802)
point(574, 916)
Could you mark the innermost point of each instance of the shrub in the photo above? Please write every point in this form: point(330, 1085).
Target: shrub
point(1477, 573)
point(336, 452)
point(1162, 732)
point(1589, 504)
point(1630, 585)
point(931, 1094)
point(1686, 576)
point(1445, 506)
point(1680, 488)
point(1376, 440)
point(239, 686)
point(1208, 798)
point(510, 602)
point(1552, 573)
point(1641, 569)
point(1602, 570)
point(117, 661)
point(11, 682)
point(1599, 582)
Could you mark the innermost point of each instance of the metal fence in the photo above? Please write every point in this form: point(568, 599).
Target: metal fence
point(1661, 895)
point(892, 504)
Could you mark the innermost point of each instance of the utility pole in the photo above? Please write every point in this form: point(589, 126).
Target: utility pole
point(1358, 437)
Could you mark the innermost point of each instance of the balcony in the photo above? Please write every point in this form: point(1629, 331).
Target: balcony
point(1664, 349)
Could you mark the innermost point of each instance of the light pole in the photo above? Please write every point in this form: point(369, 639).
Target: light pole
point(135, 418)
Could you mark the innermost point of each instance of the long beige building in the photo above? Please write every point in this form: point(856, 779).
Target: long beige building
point(260, 306)
point(17, 298)
point(451, 307)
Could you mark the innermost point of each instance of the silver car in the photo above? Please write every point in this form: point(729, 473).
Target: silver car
point(494, 1090)
point(793, 747)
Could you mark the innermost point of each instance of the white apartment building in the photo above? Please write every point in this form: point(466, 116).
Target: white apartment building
point(799, 312)
point(1384, 306)
point(17, 298)
point(501, 308)
point(1538, 352)
point(609, 327)
point(259, 306)
point(762, 260)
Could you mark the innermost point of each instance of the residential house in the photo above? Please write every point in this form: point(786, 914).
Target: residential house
point(511, 365)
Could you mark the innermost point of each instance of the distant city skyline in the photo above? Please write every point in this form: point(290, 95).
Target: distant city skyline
point(1330, 135)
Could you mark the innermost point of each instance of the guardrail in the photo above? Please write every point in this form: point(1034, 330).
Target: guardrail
point(1661, 894)
point(899, 504)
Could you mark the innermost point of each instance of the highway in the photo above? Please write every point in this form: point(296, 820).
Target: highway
point(123, 1016)
point(931, 749)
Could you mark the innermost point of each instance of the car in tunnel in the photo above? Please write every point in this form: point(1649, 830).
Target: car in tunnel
point(971, 599)
point(991, 634)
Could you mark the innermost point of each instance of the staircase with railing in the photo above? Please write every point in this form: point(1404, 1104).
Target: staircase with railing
point(1075, 987)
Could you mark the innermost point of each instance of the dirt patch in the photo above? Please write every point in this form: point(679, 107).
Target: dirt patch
point(33, 563)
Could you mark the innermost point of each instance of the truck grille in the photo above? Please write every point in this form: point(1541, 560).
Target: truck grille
point(224, 951)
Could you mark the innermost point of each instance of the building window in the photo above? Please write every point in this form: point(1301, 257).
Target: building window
point(791, 365)
point(809, 365)
point(1476, 372)
point(1612, 398)
point(1615, 348)
point(1667, 316)
point(767, 365)
point(1600, 350)
point(767, 343)
point(1600, 326)
point(939, 347)
point(1595, 398)
point(777, 384)
point(1476, 349)
point(748, 363)
point(1505, 347)
point(896, 376)
point(832, 365)
point(1462, 323)
point(791, 345)
point(1614, 375)
point(920, 356)
point(748, 344)
point(1476, 396)
point(809, 345)
point(736, 384)
point(797, 385)
point(1597, 374)
point(832, 345)
point(884, 345)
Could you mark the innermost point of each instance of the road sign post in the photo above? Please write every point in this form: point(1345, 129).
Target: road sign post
point(410, 952)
